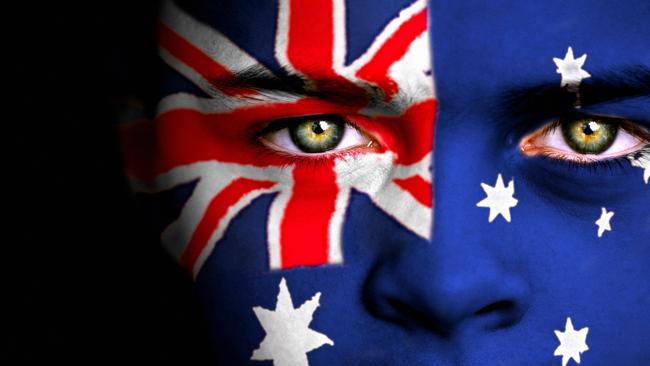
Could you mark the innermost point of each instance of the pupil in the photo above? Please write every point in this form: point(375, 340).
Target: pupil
point(317, 135)
point(589, 128)
point(319, 127)
point(589, 136)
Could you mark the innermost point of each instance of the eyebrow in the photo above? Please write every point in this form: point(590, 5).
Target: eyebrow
point(546, 101)
point(338, 91)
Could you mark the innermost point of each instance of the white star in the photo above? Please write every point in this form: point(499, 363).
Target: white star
point(571, 70)
point(572, 343)
point(643, 162)
point(499, 199)
point(603, 221)
point(288, 337)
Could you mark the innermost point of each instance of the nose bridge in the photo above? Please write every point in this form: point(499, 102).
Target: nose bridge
point(463, 160)
point(461, 277)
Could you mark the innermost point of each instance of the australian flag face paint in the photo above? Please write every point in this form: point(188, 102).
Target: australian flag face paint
point(291, 171)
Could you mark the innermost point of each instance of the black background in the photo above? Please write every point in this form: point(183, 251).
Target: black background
point(88, 283)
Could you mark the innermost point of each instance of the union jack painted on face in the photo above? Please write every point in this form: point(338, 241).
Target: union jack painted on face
point(211, 139)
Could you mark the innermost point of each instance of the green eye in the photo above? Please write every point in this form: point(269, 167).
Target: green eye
point(590, 135)
point(317, 135)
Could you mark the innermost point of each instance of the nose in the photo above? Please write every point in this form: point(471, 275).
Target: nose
point(470, 276)
point(444, 288)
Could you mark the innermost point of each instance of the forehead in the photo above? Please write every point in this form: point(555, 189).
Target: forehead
point(253, 24)
point(485, 47)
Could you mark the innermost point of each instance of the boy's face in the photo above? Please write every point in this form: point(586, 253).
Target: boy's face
point(291, 170)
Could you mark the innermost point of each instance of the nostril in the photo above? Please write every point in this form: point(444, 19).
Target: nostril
point(410, 315)
point(499, 314)
point(407, 313)
point(503, 306)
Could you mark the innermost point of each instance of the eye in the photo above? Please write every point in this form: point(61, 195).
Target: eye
point(314, 135)
point(586, 139)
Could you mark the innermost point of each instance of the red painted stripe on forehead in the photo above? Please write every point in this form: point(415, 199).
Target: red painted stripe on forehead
point(311, 44)
point(215, 213)
point(194, 58)
point(305, 227)
point(395, 47)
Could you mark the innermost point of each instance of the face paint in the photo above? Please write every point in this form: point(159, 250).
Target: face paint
point(292, 155)
point(205, 138)
point(527, 93)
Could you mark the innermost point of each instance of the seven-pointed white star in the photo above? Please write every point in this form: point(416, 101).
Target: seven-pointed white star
point(643, 162)
point(288, 337)
point(572, 342)
point(603, 221)
point(499, 199)
point(571, 69)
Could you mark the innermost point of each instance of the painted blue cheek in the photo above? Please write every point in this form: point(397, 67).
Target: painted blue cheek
point(551, 246)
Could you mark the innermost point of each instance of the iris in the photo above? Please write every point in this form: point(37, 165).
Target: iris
point(317, 135)
point(589, 136)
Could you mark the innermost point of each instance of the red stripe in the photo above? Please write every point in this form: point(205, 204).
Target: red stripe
point(409, 135)
point(184, 136)
point(395, 47)
point(215, 212)
point(419, 188)
point(197, 60)
point(304, 232)
point(310, 46)
point(310, 42)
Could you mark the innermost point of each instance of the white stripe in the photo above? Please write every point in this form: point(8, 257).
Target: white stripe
point(405, 209)
point(365, 172)
point(335, 249)
point(373, 175)
point(207, 39)
point(189, 73)
point(213, 177)
point(276, 214)
point(172, 178)
point(421, 168)
point(225, 104)
point(412, 72)
point(340, 46)
point(223, 224)
point(178, 234)
point(386, 33)
point(282, 37)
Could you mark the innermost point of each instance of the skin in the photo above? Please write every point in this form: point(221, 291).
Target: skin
point(475, 292)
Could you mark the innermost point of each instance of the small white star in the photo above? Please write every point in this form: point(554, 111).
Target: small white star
point(571, 70)
point(603, 221)
point(288, 337)
point(643, 162)
point(572, 342)
point(499, 199)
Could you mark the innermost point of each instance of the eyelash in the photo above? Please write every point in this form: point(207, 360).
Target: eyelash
point(596, 166)
point(313, 161)
point(566, 160)
point(557, 158)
